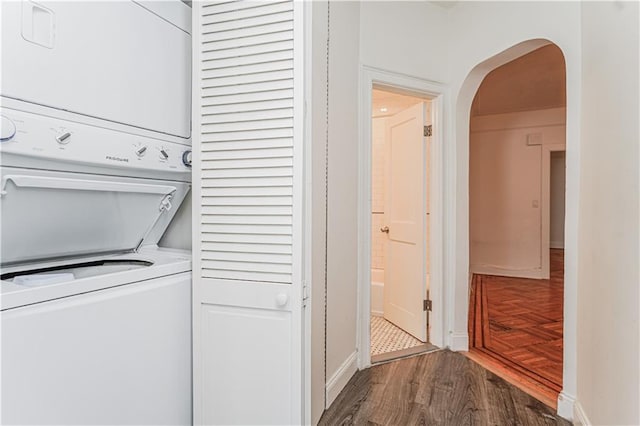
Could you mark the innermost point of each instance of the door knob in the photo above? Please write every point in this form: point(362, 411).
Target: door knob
point(281, 299)
point(385, 229)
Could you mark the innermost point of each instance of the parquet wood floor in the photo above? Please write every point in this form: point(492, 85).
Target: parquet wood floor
point(516, 324)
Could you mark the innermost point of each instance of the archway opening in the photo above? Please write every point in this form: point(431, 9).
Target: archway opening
point(517, 128)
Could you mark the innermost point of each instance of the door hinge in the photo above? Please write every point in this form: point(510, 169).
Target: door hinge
point(427, 305)
point(428, 130)
point(305, 294)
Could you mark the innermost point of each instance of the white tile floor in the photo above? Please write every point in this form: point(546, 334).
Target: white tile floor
point(386, 337)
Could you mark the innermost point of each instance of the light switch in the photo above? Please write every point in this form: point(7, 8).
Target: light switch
point(534, 139)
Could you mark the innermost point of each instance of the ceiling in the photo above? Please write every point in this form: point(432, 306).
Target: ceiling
point(531, 82)
point(385, 104)
point(447, 4)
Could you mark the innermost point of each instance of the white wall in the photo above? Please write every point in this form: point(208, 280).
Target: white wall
point(355, 39)
point(340, 339)
point(317, 111)
point(558, 176)
point(448, 55)
point(458, 47)
point(507, 192)
point(608, 331)
point(483, 36)
point(407, 37)
point(343, 184)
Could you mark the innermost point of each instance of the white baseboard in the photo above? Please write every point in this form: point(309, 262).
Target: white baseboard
point(459, 342)
point(377, 313)
point(579, 416)
point(566, 406)
point(339, 380)
point(556, 244)
point(492, 270)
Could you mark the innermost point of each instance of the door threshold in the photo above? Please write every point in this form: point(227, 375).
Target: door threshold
point(403, 353)
point(525, 383)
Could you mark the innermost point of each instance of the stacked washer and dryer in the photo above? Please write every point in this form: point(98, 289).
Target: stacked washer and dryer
point(95, 156)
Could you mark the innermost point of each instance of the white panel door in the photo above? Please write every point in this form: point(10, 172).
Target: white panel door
point(405, 209)
point(247, 203)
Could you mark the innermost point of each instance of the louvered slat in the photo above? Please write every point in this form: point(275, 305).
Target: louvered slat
point(247, 182)
point(228, 6)
point(252, 40)
point(245, 107)
point(247, 248)
point(264, 211)
point(246, 201)
point(246, 134)
point(247, 79)
point(257, 59)
point(249, 219)
point(239, 172)
point(262, 9)
point(245, 275)
point(244, 192)
point(250, 144)
point(246, 165)
point(249, 98)
point(246, 69)
point(247, 125)
point(274, 258)
point(248, 32)
point(267, 47)
point(219, 26)
point(243, 238)
point(247, 153)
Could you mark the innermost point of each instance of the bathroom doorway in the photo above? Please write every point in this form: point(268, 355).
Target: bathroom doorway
point(401, 130)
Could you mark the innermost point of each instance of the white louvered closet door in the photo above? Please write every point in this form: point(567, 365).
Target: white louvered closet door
point(247, 231)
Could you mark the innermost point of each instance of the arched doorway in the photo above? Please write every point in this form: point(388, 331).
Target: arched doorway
point(459, 267)
point(516, 221)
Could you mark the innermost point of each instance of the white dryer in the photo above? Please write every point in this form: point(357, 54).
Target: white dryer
point(96, 319)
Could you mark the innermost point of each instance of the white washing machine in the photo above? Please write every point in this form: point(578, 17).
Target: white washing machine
point(96, 319)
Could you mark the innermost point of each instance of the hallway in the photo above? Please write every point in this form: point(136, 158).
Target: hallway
point(515, 329)
point(439, 388)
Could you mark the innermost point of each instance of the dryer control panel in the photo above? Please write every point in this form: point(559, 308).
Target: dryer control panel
point(27, 135)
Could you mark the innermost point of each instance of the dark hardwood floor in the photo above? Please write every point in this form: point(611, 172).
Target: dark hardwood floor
point(515, 324)
point(439, 388)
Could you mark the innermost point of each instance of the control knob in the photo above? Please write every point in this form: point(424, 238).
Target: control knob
point(186, 158)
point(63, 138)
point(7, 129)
point(141, 151)
point(163, 154)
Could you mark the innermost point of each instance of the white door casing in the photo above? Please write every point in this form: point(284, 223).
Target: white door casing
point(405, 210)
point(247, 212)
point(438, 95)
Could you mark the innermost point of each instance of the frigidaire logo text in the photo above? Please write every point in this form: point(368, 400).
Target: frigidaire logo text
point(125, 160)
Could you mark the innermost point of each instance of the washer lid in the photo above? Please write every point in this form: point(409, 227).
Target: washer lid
point(45, 216)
